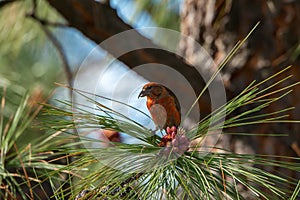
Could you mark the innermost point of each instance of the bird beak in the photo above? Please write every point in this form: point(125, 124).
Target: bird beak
point(143, 93)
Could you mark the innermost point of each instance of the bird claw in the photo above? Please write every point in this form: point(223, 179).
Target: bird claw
point(177, 143)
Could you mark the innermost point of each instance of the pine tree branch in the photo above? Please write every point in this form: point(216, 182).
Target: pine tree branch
point(99, 21)
point(43, 24)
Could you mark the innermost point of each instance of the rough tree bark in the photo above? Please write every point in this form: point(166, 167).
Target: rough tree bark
point(218, 25)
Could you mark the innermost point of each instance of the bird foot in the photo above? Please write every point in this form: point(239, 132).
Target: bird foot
point(177, 143)
point(167, 139)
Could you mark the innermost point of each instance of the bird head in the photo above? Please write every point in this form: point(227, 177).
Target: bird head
point(152, 90)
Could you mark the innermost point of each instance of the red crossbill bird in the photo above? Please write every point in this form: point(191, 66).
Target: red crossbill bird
point(162, 104)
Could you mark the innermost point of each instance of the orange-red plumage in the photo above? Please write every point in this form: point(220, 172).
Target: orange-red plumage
point(162, 104)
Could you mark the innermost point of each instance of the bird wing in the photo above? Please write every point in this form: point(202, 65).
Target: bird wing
point(177, 104)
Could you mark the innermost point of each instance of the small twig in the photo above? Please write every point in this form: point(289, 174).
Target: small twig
point(59, 48)
point(296, 148)
point(33, 15)
point(46, 22)
point(55, 42)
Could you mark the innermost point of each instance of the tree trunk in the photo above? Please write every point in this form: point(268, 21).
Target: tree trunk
point(217, 25)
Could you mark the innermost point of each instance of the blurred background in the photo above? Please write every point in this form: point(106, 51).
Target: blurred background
point(46, 41)
point(31, 62)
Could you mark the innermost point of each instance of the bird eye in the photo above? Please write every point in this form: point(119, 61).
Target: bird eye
point(149, 87)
